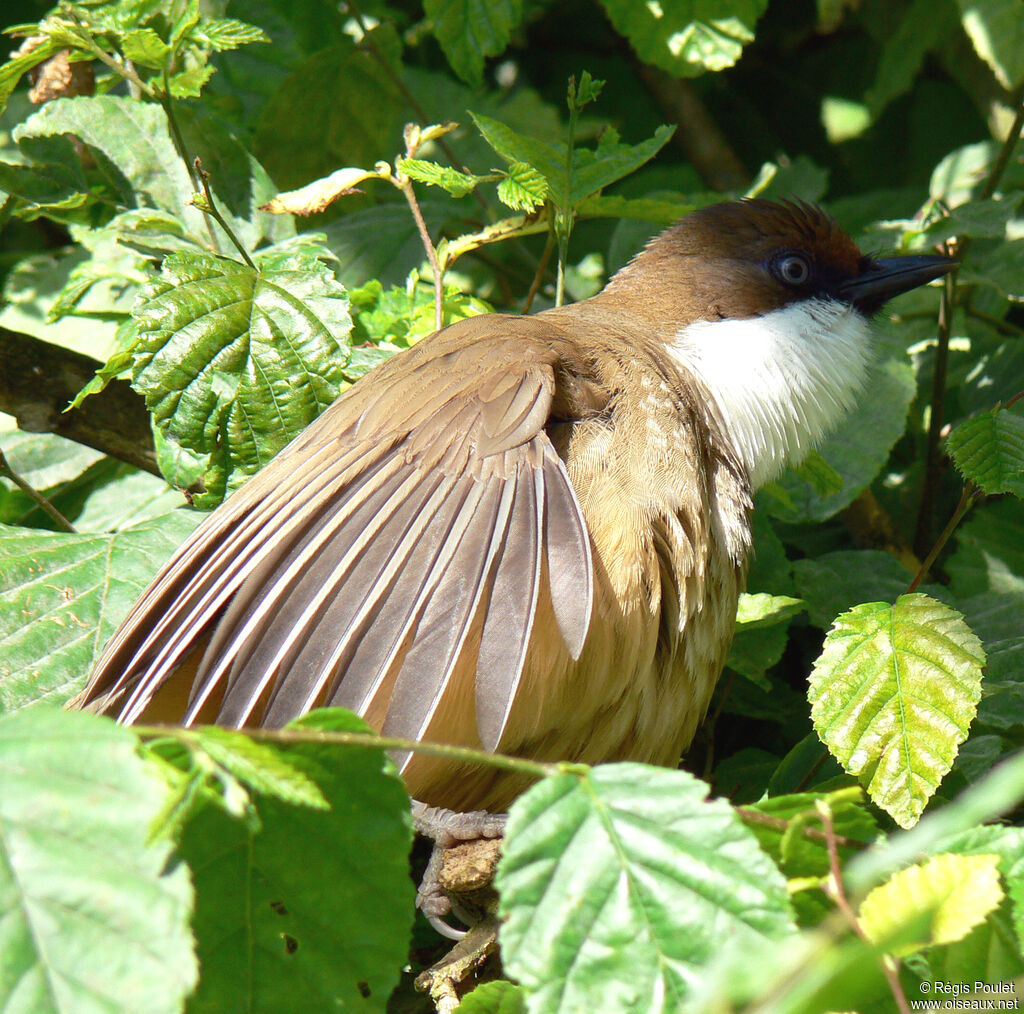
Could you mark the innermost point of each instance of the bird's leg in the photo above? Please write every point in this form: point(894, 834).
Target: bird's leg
point(447, 828)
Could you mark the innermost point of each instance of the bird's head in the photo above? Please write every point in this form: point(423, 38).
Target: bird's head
point(770, 305)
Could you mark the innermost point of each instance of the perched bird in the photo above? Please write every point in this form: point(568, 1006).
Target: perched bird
point(525, 534)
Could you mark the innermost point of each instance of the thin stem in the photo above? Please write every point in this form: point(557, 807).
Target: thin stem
point(538, 276)
point(838, 895)
point(405, 185)
point(38, 498)
point(89, 43)
point(211, 209)
point(968, 498)
point(1003, 158)
point(781, 824)
point(325, 737)
point(563, 218)
point(179, 142)
point(1003, 326)
point(1013, 401)
point(933, 457)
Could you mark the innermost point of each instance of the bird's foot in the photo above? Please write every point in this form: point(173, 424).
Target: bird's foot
point(448, 829)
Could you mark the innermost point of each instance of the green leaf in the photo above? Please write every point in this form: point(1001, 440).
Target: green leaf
point(457, 184)
point(619, 884)
point(397, 318)
point(936, 902)
point(922, 26)
point(800, 847)
point(51, 177)
point(498, 997)
point(523, 189)
point(997, 31)
point(259, 766)
point(764, 610)
point(95, 916)
point(990, 550)
point(297, 149)
point(592, 170)
point(893, 693)
point(687, 37)
point(145, 47)
point(306, 910)
point(221, 346)
point(470, 30)
point(136, 154)
point(989, 451)
point(62, 596)
point(220, 34)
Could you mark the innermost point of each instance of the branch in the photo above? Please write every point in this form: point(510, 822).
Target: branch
point(39, 380)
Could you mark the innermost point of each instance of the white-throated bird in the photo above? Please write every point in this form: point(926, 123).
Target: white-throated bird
point(525, 534)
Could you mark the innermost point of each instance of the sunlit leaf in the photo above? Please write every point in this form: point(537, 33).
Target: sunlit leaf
point(894, 693)
point(618, 884)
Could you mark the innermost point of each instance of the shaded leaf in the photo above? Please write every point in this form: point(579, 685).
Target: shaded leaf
point(997, 31)
point(328, 932)
point(894, 692)
point(470, 30)
point(618, 884)
point(94, 915)
point(859, 448)
point(990, 550)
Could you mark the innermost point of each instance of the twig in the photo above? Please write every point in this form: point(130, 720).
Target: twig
point(1003, 158)
point(563, 217)
point(326, 737)
point(538, 276)
point(39, 379)
point(405, 185)
point(782, 824)
point(834, 888)
point(179, 142)
point(37, 497)
point(968, 498)
point(89, 43)
point(211, 209)
point(933, 457)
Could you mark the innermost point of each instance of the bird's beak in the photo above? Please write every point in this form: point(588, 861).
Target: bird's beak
point(889, 276)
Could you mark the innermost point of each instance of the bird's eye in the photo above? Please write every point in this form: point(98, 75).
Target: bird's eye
point(793, 269)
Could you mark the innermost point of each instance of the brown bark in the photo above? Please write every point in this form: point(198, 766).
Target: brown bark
point(37, 382)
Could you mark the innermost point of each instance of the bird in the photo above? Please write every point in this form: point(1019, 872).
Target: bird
point(524, 534)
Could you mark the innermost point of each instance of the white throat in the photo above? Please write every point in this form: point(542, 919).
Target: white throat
point(781, 380)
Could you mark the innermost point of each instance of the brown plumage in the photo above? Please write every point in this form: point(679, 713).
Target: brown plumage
point(525, 534)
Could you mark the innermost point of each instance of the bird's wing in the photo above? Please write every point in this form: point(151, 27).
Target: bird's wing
point(408, 532)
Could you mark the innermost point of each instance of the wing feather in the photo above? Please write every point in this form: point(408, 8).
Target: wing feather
point(509, 623)
point(394, 552)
